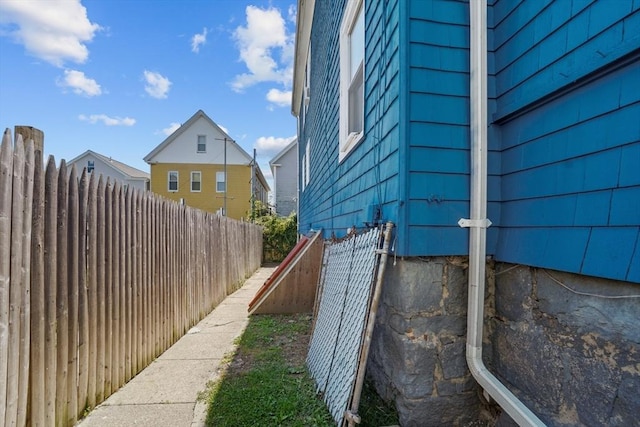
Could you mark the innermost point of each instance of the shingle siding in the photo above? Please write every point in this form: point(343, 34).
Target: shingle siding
point(569, 197)
point(564, 134)
point(339, 194)
point(438, 93)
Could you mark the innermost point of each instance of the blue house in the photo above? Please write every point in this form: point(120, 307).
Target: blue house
point(383, 97)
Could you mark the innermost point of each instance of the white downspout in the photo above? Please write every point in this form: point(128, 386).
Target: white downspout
point(479, 223)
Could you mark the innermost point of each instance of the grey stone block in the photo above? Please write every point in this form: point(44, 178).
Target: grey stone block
point(513, 289)
point(453, 360)
point(414, 286)
point(456, 410)
point(455, 387)
point(627, 404)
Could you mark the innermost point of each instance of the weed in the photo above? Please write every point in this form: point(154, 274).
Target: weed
point(266, 382)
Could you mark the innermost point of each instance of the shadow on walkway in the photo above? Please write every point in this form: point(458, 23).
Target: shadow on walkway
point(165, 393)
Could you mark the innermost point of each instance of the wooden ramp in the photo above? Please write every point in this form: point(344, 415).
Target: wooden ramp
point(292, 286)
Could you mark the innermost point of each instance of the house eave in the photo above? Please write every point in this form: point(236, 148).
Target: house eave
point(304, 21)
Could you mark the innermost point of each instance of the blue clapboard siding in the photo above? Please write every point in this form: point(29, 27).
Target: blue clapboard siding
point(564, 131)
point(339, 194)
point(437, 162)
point(569, 189)
point(542, 46)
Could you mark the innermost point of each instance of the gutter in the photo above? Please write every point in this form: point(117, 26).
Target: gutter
point(478, 223)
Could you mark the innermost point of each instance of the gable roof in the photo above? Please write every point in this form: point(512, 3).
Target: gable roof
point(123, 168)
point(198, 115)
point(284, 151)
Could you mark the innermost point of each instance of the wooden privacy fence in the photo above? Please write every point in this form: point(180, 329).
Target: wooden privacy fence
point(96, 281)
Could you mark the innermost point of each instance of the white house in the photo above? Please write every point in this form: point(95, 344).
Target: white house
point(110, 168)
point(284, 168)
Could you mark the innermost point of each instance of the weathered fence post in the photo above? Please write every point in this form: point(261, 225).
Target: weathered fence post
point(6, 184)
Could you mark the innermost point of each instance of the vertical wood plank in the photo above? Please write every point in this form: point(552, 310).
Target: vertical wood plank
point(92, 292)
point(25, 287)
point(83, 306)
point(72, 298)
point(108, 287)
point(6, 172)
point(146, 277)
point(50, 290)
point(128, 307)
point(101, 295)
point(115, 286)
point(135, 296)
point(123, 290)
point(15, 294)
point(62, 315)
point(37, 395)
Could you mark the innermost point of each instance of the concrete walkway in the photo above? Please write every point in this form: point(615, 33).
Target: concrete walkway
point(165, 393)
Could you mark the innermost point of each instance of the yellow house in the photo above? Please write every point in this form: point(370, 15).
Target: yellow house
point(201, 166)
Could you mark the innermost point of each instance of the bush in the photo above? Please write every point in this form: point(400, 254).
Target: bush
point(280, 234)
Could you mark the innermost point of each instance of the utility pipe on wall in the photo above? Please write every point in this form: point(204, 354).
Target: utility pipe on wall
point(478, 223)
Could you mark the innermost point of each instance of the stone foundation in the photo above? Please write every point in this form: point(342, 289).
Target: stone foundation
point(417, 357)
point(572, 359)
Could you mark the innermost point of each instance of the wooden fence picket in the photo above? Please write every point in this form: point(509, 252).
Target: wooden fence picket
point(37, 365)
point(6, 185)
point(72, 296)
point(97, 280)
point(83, 308)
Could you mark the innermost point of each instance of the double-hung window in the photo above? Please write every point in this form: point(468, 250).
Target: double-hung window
point(351, 76)
point(173, 181)
point(196, 181)
point(202, 144)
point(221, 182)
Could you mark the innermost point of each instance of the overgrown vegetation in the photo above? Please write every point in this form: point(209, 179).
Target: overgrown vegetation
point(279, 233)
point(266, 382)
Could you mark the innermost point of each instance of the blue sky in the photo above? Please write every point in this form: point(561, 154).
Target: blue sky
point(118, 76)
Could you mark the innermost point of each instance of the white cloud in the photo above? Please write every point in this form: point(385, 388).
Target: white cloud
point(264, 34)
point(224, 129)
point(171, 129)
point(197, 40)
point(292, 13)
point(281, 98)
point(55, 31)
point(157, 85)
point(79, 83)
point(107, 121)
point(268, 145)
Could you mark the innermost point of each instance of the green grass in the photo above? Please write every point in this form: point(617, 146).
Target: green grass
point(267, 384)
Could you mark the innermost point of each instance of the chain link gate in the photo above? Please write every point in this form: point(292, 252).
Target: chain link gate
point(349, 271)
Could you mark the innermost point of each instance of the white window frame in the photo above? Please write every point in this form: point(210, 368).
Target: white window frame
point(199, 181)
point(308, 163)
point(348, 140)
point(204, 142)
point(169, 181)
point(221, 178)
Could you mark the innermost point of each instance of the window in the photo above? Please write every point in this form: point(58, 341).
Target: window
point(351, 77)
point(308, 162)
point(221, 182)
point(202, 144)
point(304, 176)
point(173, 181)
point(196, 179)
point(90, 166)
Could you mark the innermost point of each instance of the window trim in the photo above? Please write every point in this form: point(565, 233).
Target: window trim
point(348, 141)
point(308, 164)
point(169, 181)
point(198, 144)
point(218, 181)
point(199, 182)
